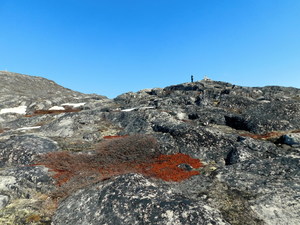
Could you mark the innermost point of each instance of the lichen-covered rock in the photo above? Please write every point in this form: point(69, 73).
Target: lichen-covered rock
point(273, 185)
point(23, 149)
point(246, 148)
point(26, 178)
point(133, 199)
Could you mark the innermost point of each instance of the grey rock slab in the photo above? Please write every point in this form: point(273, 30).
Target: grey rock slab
point(273, 116)
point(279, 208)
point(23, 149)
point(88, 125)
point(246, 148)
point(37, 178)
point(133, 199)
point(273, 185)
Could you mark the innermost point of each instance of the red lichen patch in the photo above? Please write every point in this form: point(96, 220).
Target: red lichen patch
point(115, 136)
point(116, 156)
point(44, 112)
point(67, 166)
point(165, 167)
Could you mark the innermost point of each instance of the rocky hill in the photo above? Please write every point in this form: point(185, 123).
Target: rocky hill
point(206, 152)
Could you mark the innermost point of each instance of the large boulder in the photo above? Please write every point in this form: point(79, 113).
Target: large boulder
point(133, 199)
point(23, 149)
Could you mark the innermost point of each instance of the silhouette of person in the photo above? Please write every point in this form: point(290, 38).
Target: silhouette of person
point(192, 78)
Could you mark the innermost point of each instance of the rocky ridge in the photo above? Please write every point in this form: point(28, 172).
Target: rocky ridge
point(247, 139)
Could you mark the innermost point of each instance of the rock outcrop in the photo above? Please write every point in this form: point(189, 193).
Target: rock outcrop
point(225, 154)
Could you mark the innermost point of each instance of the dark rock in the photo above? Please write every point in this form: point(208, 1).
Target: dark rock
point(133, 199)
point(22, 150)
point(237, 123)
point(291, 139)
point(249, 149)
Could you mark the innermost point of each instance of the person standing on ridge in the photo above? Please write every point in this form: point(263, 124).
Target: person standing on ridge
point(192, 78)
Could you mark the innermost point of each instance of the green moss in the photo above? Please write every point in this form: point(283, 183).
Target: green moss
point(24, 211)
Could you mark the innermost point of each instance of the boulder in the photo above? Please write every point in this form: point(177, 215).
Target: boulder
point(23, 149)
point(133, 199)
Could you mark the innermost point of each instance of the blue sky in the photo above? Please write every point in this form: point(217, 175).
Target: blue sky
point(110, 47)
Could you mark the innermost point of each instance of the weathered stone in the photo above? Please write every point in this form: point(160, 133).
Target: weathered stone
point(291, 139)
point(3, 201)
point(133, 199)
point(22, 150)
point(272, 185)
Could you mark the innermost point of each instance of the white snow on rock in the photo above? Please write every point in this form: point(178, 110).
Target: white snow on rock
point(136, 108)
point(28, 128)
point(128, 110)
point(181, 115)
point(19, 110)
point(57, 108)
point(63, 106)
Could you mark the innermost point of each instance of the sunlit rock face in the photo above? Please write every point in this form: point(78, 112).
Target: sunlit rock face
point(206, 152)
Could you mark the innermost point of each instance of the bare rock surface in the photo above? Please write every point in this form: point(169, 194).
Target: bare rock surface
point(247, 139)
point(148, 203)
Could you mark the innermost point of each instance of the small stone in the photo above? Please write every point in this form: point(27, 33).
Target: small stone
point(291, 139)
point(3, 201)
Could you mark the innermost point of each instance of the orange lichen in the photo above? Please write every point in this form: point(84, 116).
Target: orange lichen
point(116, 156)
point(166, 167)
point(115, 136)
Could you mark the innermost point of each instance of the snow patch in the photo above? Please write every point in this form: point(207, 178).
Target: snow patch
point(65, 105)
point(128, 110)
point(181, 115)
point(57, 108)
point(19, 110)
point(28, 128)
point(136, 108)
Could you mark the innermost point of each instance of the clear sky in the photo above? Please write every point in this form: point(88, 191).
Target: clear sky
point(111, 47)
